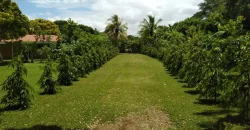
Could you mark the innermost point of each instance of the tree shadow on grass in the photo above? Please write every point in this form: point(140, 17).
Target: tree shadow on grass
point(1, 118)
point(14, 108)
point(207, 125)
point(192, 92)
point(180, 81)
point(45, 127)
point(39, 127)
point(213, 112)
point(208, 102)
point(5, 63)
point(226, 123)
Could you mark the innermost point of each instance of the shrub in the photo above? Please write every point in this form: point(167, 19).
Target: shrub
point(18, 90)
point(47, 82)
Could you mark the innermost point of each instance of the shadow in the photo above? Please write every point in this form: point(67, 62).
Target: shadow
point(181, 81)
point(1, 118)
point(39, 127)
point(192, 92)
point(10, 108)
point(171, 74)
point(226, 123)
point(45, 94)
point(5, 63)
point(176, 78)
point(213, 112)
point(237, 119)
point(207, 125)
point(208, 102)
point(185, 86)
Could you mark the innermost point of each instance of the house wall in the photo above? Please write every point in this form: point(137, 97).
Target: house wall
point(6, 51)
point(12, 49)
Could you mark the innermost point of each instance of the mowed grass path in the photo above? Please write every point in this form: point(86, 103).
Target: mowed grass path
point(128, 83)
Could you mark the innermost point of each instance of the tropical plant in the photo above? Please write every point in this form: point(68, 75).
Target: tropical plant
point(19, 92)
point(116, 29)
point(149, 27)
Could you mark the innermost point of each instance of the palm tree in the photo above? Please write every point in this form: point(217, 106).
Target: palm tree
point(116, 28)
point(148, 27)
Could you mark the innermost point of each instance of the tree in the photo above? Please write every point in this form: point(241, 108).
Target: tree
point(42, 29)
point(18, 90)
point(148, 27)
point(65, 69)
point(13, 24)
point(47, 82)
point(67, 29)
point(116, 29)
point(44, 52)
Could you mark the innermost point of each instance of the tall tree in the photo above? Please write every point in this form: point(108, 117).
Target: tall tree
point(148, 27)
point(13, 24)
point(116, 28)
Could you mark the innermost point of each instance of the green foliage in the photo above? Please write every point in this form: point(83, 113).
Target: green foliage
point(65, 69)
point(43, 27)
point(44, 52)
point(26, 50)
point(212, 59)
point(13, 24)
point(132, 44)
point(71, 31)
point(80, 58)
point(46, 81)
point(19, 92)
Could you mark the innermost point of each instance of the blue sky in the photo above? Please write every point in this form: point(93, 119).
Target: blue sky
point(32, 10)
point(95, 13)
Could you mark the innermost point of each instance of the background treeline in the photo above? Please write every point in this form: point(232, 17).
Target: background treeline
point(210, 51)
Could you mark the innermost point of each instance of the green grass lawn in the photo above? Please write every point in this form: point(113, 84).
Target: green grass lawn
point(128, 83)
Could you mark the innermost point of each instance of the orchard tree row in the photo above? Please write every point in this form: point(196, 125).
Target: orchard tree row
point(80, 50)
point(73, 61)
point(210, 51)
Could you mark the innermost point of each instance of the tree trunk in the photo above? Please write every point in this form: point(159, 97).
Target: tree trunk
point(32, 56)
point(1, 58)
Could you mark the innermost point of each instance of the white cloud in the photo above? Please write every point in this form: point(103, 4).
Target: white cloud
point(95, 12)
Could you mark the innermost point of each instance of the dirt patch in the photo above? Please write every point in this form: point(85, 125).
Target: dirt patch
point(151, 119)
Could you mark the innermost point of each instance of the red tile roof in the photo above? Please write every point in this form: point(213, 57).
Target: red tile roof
point(33, 38)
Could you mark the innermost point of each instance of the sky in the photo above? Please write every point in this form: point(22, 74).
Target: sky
point(95, 13)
